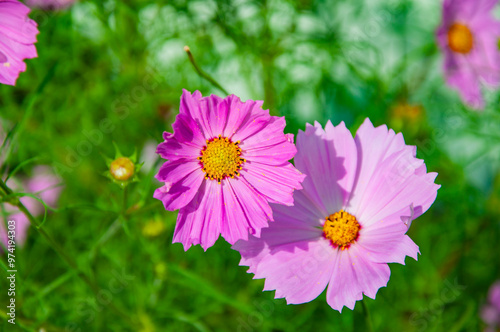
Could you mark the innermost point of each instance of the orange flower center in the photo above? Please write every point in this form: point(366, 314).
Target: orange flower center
point(460, 38)
point(341, 228)
point(122, 168)
point(220, 158)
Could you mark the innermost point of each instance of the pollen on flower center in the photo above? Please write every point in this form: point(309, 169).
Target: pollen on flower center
point(460, 38)
point(221, 158)
point(341, 228)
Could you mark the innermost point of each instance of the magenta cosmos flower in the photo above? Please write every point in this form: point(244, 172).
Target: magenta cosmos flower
point(50, 4)
point(469, 38)
point(43, 184)
point(490, 312)
point(17, 36)
point(227, 160)
point(359, 198)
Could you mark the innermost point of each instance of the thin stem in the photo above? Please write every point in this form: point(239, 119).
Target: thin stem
point(366, 313)
point(124, 206)
point(123, 212)
point(201, 72)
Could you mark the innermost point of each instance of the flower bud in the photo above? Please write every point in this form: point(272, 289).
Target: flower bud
point(122, 169)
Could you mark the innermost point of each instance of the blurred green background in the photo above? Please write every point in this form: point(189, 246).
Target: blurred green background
point(112, 71)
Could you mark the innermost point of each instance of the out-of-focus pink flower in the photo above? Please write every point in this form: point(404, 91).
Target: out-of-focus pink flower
point(50, 4)
point(43, 184)
point(490, 312)
point(469, 36)
point(17, 38)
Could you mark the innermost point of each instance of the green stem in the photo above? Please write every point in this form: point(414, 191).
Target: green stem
point(366, 313)
point(201, 72)
point(123, 212)
point(125, 195)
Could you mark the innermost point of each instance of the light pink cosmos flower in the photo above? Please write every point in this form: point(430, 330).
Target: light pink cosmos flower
point(46, 186)
point(227, 161)
point(50, 4)
point(17, 36)
point(490, 312)
point(348, 222)
point(469, 36)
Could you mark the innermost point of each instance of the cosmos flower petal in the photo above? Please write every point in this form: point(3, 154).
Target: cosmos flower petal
point(291, 270)
point(388, 245)
point(199, 221)
point(237, 223)
point(269, 145)
point(182, 180)
point(284, 179)
point(373, 145)
point(254, 205)
point(239, 114)
point(254, 123)
point(188, 131)
point(173, 149)
point(194, 106)
point(284, 231)
point(467, 83)
point(354, 275)
point(17, 36)
point(304, 212)
point(399, 189)
point(329, 159)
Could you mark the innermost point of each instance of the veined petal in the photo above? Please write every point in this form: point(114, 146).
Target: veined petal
point(354, 276)
point(277, 183)
point(182, 180)
point(199, 222)
point(329, 161)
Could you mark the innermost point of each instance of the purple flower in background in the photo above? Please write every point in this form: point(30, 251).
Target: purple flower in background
point(227, 160)
point(469, 36)
point(17, 36)
point(50, 4)
point(359, 198)
point(43, 184)
point(490, 312)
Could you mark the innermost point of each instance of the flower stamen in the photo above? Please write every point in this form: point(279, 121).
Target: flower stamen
point(342, 229)
point(221, 158)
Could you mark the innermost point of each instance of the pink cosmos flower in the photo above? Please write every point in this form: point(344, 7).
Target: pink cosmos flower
point(469, 38)
point(490, 312)
point(46, 186)
point(228, 160)
point(17, 36)
point(359, 198)
point(50, 4)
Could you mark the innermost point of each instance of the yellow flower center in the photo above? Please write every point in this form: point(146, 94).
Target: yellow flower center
point(460, 38)
point(220, 158)
point(342, 229)
point(122, 168)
